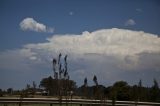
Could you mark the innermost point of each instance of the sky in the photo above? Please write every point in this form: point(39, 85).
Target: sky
point(112, 39)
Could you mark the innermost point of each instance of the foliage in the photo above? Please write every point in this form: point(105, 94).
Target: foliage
point(155, 92)
point(1, 93)
point(10, 91)
point(51, 85)
point(122, 91)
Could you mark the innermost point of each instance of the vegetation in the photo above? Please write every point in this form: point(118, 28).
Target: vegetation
point(61, 85)
point(51, 86)
point(120, 90)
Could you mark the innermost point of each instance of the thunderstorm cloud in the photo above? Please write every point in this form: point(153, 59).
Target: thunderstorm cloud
point(112, 54)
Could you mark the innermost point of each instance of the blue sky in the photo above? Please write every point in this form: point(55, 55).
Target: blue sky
point(87, 15)
point(73, 17)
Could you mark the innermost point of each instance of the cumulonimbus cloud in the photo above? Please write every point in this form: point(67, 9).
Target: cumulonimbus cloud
point(122, 44)
point(108, 42)
point(112, 54)
point(32, 25)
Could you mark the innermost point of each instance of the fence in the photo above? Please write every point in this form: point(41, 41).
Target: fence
point(80, 102)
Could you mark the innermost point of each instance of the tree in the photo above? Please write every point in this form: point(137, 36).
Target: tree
point(155, 92)
point(85, 82)
point(10, 91)
point(95, 88)
point(50, 85)
point(84, 87)
point(34, 87)
point(95, 80)
point(54, 69)
point(134, 93)
point(107, 91)
point(120, 91)
point(140, 90)
point(1, 93)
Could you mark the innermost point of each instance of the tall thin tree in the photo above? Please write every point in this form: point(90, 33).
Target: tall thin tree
point(140, 90)
point(95, 80)
point(96, 90)
point(85, 90)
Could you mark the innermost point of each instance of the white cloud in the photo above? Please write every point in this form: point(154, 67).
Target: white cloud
point(111, 54)
point(123, 45)
point(130, 22)
point(10, 59)
point(108, 41)
point(32, 25)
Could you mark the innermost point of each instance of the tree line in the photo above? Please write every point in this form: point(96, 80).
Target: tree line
point(120, 90)
point(61, 85)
